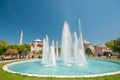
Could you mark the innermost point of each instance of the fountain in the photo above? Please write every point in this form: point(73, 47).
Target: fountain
point(70, 63)
point(48, 56)
point(71, 51)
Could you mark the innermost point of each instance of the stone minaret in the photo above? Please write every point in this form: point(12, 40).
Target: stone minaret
point(21, 37)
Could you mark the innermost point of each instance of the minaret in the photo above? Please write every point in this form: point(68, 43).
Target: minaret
point(21, 37)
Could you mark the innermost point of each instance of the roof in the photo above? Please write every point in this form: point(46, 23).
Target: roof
point(101, 45)
point(37, 40)
point(86, 42)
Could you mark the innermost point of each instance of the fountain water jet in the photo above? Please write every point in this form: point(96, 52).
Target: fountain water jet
point(57, 53)
point(44, 55)
point(52, 60)
point(71, 51)
point(66, 45)
point(76, 49)
point(82, 50)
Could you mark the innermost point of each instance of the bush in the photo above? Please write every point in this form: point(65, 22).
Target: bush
point(107, 54)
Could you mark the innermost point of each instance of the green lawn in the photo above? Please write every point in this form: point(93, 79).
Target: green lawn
point(10, 76)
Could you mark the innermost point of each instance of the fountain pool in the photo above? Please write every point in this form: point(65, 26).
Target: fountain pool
point(93, 68)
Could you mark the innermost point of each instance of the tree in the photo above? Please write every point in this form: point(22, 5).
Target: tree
point(88, 51)
point(2, 49)
point(95, 46)
point(39, 53)
point(23, 50)
point(11, 52)
point(117, 48)
point(20, 51)
point(110, 44)
point(107, 54)
point(13, 46)
point(118, 41)
point(4, 42)
point(114, 45)
point(3, 46)
point(27, 46)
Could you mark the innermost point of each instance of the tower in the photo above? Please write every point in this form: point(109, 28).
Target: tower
point(21, 37)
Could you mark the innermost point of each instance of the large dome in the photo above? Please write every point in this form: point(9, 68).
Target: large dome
point(37, 40)
point(86, 42)
point(102, 45)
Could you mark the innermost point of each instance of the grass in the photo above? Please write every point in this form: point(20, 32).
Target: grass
point(10, 76)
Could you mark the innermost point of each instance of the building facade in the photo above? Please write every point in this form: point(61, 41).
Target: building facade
point(36, 45)
point(100, 49)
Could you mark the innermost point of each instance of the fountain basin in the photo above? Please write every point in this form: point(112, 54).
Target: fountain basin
point(93, 68)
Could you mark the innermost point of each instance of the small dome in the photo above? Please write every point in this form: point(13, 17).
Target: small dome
point(37, 40)
point(86, 42)
point(102, 45)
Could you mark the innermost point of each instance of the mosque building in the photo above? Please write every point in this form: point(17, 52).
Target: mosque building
point(101, 48)
point(36, 45)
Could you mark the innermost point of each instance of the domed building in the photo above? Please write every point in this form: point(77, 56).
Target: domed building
point(100, 49)
point(36, 45)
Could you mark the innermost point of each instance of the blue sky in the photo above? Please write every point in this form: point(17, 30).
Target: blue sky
point(100, 19)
